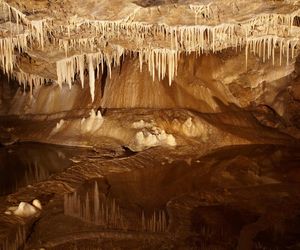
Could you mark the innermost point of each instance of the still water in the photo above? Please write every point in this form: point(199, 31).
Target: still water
point(24, 164)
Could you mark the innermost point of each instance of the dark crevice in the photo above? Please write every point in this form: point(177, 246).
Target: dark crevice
point(103, 79)
point(108, 186)
point(296, 21)
point(31, 230)
point(150, 3)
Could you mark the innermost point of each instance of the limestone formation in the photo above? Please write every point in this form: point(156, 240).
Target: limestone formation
point(75, 41)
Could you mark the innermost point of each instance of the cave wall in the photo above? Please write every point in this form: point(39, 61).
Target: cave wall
point(204, 83)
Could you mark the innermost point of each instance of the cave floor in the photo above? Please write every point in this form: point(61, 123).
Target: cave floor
point(192, 196)
point(245, 196)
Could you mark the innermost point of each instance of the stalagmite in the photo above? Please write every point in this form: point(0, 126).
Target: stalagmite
point(25, 210)
point(92, 123)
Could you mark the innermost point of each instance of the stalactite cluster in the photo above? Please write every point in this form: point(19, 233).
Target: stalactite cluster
point(265, 47)
point(29, 79)
point(95, 208)
point(160, 61)
point(68, 67)
point(156, 224)
point(88, 44)
point(7, 46)
point(201, 10)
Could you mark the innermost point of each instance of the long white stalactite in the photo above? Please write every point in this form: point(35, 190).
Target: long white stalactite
point(181, 37)
point(162, 61)
point(265, 48)
point(186, 36)
point(30, 80)
point(7, 46)
point(37, 27)
point(261, 35)
point(67, 68)
point(195, 38)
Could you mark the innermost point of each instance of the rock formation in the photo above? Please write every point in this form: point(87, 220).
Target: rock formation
point(71, 40)
point(156, 124)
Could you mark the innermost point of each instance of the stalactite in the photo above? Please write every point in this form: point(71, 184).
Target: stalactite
point(30, 80)
point(66, 70)
point(191, 38)
point(38, 30)
point(38, 27)
point(68, 67)
point(91, 76)
point(265, 46)
point(201, 10)
point(260, 35)
point(7, 46)
point(160, 60)
point(12, 11)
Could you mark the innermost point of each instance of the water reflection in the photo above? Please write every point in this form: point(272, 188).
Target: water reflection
point(228, 199)
point(93, 206)
point(27, 163)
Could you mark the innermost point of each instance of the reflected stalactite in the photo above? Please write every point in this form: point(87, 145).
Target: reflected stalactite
point(95, 208)
point(15, 241)
point(99, 210)
point(157, 223)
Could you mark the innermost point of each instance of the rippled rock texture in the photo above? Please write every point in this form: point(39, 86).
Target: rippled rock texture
point(150, 124)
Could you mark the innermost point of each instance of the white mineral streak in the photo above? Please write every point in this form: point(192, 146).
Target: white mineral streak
point(142, 124)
